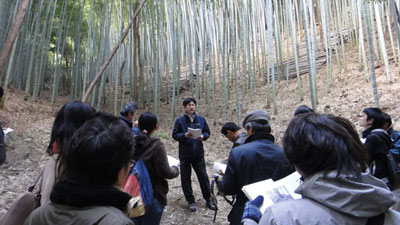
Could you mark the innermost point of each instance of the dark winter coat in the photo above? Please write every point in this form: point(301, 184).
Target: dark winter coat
point(256, 160)
point(74, 203)
point(154, 156)
point(378, 143)
point(190, 148)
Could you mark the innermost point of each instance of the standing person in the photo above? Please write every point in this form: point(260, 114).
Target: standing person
point(128, 116)
point(232, 132)
point(377, 142)
point(151, 150)
point(68, 119)
point(191, 153)
point(89, 189)
point(259, 158)
point(326, 151)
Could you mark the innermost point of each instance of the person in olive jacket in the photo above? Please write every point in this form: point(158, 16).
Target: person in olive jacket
point(191, 152)
point(152, 151)
point(97, 163)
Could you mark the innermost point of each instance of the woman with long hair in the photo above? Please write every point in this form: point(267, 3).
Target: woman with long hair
point(68, 119)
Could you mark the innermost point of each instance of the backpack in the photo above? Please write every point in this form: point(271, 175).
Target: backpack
point(138, 185)
point(394, 158)
point(395, 150)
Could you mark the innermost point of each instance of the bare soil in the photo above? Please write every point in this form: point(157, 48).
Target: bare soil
point(348, 95)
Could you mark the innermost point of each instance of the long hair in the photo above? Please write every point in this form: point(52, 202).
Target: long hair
point(68, 119)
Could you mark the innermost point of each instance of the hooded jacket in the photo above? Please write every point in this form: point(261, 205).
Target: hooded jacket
point(344, 200)
point(154, 156)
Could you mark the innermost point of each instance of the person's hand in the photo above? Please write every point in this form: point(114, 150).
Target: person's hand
point(201, 138)
point(252, 209)
point(188, 135)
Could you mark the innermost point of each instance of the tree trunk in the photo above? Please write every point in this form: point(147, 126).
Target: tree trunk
point(12, 34)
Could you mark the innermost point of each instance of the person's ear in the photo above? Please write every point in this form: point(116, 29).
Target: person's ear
point(370, 121)
point(249, 131)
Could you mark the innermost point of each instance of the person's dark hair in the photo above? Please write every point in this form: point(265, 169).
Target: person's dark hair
point(147, 123)
point(98, 150)
point(315, 143)
point(68, 119)
point(387, 119)
point(188, 100)
point(377, 115)
point(229, 126)
point(259, 126)
point(1, 92)
point(130, 107)
point(302, 109)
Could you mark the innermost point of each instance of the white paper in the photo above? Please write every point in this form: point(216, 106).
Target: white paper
point(7, 130)
point(274, 192)
point(196, 133)
point(219, 168)
point(173, 161)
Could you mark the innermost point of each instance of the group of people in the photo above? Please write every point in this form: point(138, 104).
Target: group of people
point(345, 181)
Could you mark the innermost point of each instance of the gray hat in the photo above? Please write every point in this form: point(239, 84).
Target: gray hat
point(256, 115)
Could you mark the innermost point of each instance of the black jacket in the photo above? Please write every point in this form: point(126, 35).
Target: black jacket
point(377, 143)
point(190, 148)
point(256, 160)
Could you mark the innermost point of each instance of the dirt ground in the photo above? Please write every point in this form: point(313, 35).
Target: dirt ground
point(348, 95)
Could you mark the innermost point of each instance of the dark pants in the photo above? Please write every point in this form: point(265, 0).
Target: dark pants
point(235, 215)
point(152, 216)
point(199, 167)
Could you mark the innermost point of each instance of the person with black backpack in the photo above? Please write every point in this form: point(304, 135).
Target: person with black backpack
point(377, 143)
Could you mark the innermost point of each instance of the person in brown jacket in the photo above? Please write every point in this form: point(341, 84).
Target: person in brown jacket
point(152, 151)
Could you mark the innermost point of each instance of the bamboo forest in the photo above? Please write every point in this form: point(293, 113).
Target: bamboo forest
point(108, 52)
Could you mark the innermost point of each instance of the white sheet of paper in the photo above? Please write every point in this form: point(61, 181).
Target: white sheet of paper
point(7, 130)
point(219, 168)
point(274, 192)
point(173, 161)
point(196, 133)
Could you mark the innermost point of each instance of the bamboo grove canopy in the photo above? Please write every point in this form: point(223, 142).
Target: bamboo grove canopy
point(216, 49)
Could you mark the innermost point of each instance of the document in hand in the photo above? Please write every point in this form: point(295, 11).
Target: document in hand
point(219, 168)
point(196, 133)
point(173, 161)
point(274, 192)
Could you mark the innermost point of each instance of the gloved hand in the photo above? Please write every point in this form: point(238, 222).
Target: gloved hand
point(252, 209)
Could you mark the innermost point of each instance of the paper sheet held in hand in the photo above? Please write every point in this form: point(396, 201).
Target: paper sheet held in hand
point(219, 168)
point(173, 161)
point(196, 133)
point(274, 192)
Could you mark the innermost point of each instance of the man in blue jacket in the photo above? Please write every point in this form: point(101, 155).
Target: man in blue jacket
point(191, 152)
point(259, 158)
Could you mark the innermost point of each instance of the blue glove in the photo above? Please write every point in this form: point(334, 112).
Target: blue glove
point(251, 209)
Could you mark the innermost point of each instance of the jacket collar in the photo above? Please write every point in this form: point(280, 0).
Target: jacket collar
point(83, 195)
point(260, 136)
point(129, 123)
